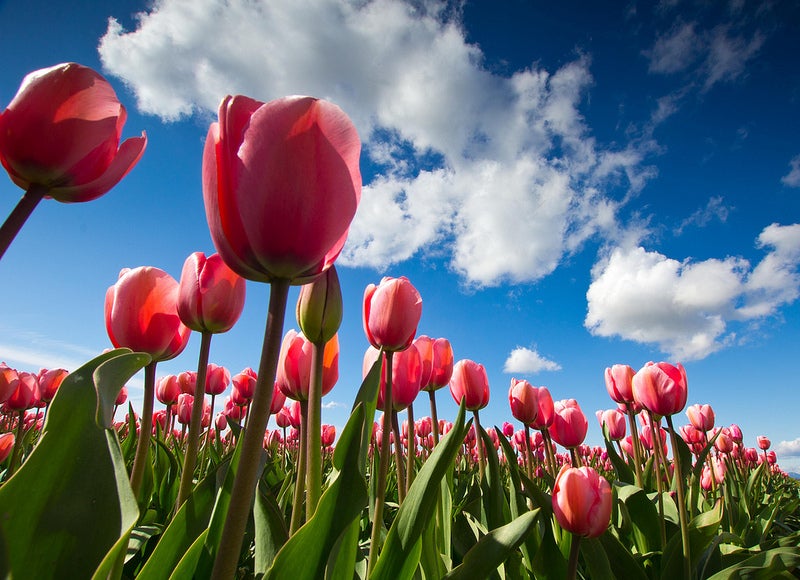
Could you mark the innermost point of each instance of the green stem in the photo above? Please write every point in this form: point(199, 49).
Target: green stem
point(19, 215)
point(528, 452)
point(195, 422)
point(434, 417)
point(145, 428)
point(383, 468)
point(314, 431)
point(479, 443)
point(574, 550)
point(411, 456)
point(211, 425)
point(637, 453)
point(398, 459)
point(302, 470)
point(244, 484)
point(659, 483)
point(551, 456)
point(687, 558)
point(15, 456)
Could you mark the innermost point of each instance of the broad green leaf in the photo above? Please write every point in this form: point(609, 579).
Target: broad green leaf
point(400, 550)
point(763, 565)
point(623, 564)
point(70, 503)
point(597, 561)
point(621, 467)
point(270, 529)
point(495, 507)
point(702, 530)
point(644, 517)
point(305, 554)
point(494, 548)
point(189, 562)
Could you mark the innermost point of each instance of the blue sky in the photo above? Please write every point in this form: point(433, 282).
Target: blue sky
point(569, 185)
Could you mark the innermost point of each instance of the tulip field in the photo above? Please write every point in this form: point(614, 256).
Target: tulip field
point(234, 475)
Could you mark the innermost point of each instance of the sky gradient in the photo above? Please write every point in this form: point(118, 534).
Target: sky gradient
point(569, 186)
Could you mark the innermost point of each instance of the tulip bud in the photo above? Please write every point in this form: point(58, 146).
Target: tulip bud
point(582, 501)
point(319, 307)
point(392, 311)
point(211, 295)
point(471, 384)
point(569, 423)
point(661, 388)
point(524, 401)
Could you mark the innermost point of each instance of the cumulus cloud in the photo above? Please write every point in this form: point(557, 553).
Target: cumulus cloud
point(499, 173)
point(792, 179)
point(527, 361)
point(686, 308)
point(788, 448)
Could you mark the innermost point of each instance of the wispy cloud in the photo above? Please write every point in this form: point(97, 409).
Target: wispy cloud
point(334, 405)
point(792, 179)
point(528, 361)
point(467, 158)
point(714, 209)
point(686, 307)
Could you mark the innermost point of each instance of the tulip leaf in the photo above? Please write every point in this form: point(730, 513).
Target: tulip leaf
point(596, 559)
point(305, 554)
point(189, 562)
point(495, 507)
point(401, 551)
point(623, 564)
point(70, 503)
point(644, 517)
point(621, 467)
point(270, 529)
point(763, 565)
point(494, 548)
point(702, 530)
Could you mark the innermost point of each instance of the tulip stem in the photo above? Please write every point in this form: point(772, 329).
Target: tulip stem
point(574, 550)
point(195, 422)
point(659, 482)
point(314, 431)
point(15, 455)
point(302, 470)
point(398, 459)
point(687, 559)
point(411, 456)
point(383, 468)
point(551, 457)
point(19, 215)
point(479, 444)
point(244, 483)
point(528, 452)
point(211, 424)
point(434, 417)
point(637, 454)
point(145, 428)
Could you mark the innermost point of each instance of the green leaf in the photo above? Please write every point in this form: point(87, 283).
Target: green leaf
point(644, 517)
point(702, 530)
point(596, 559)
point(270, 529)
point(185, 570)
point(305, 554)
point(763, 565)
point(494, 548)
point(70, 503)
point(495, 506)
point(400, 555)
point(623, 470)
point(623, 564)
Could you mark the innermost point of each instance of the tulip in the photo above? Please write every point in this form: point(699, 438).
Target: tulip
point(188, 382)
point(6, 445)
point(217, 379)
point(619, 383)
point(470, 384)
point(569, 424)
point(661, 388)
point(59, 137)
point(437, 369)
point(211, 295)
point(614, 421)
point(406, 373)
point(392, 311)
point(524, 401)
point(8, 381)
point(49, 382)
point(763, 442)
point(122, 396)
point(582, 501)
point(168, 389)
point(294, 366)
point(25, 393)
point(319, 307)
point(328, 435)
point(701, 417)
point(244, 383)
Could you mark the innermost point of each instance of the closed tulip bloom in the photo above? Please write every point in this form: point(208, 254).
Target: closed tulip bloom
point(141, 313)
point(61, 132)
point(294, 366)
point(614, 421)
point(701, 417)
point(211, 295)
point(723, 442)
point(187, 381)
point(184, 410)
point(319, 307)
point(582, 501)
point(6, 445)
point(424, 346)
point(328, 435)
point(391, 313)
point(406, 376)
point(471, 384)
point(168, 389)
point(763, 442)
point(217, 379)
point(736, 433)
point(546, 412)
point(278, 400)
point(569, 424)
point(661, 388)
point(25, 396)
point(8, 381)
point(49, 382)
point(122, 397)
point(524, 401)
point(244, 383)
point(283, 418)
point(281, 184)
point(619, 383)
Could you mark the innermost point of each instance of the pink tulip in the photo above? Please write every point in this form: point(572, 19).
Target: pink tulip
point(217, 379)
point(544, 417)
point(281, 184)
point(211, 295)
point(582, 501)
point(187, 381)
point(437, 361)
point(122, 396)
point(406, 376)
point(328, 435)
point(141, 313)
point(736, 433)
point(8, 381)
point(508, 430)
point(61, 132)
point(278, 400)
point(524, 401)
point(701, 417)
point(661, 388)
point(763, 442)
point(569, 423)
point(471, 384)
point(168, 389)
point(614, 421)
point(294, 366)
point(619, 383)
point(244, 383)
point(184, 410)
point(6, 445)
point(723, 442)
point(392, 311)
point(49, 382)
point(25, 395)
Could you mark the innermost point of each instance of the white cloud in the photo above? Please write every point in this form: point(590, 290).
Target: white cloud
point(714, 209)
point(333, 405)
point(685, 308)
point(676, 50)
point(498, 173)
point(728, 55)
point(788, 449)
point(527, 361)
point(792, 179)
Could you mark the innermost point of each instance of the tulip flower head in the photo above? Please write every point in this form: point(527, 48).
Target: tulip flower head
point(470, 383)
point(217, 379)
point(569, 423)
point(211, 295)
point(281, 184)
point(701, 417)
point(294, 366)
point(319, 307)
point(8, 381)
point(613, 420)
point(524, 401)
point(437, 362)
point(392, 311)
point(582, 501)
point(49, 382)
point(661, 388)
point(406, 375)
point(763, 442)
point(619, 383)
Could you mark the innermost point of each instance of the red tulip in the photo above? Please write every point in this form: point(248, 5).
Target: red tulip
point(470, 383)
point(701, 417)
point(141, 313)
point(546, 412)
point(406, 376)
point(582, 501)
point(391, 313)
point(61, 132)
point(524, 401)
point(294, 366)
point(437, 361)
point(619, 383)
point(569, 424)
point(661, 388)
point(187, 381)
point(168, 389)
point(278, 400)
point(211, 295)
point(328, 435)
point(8, 381)
point(763, 442)
point(217, 379)
point(281, 184)
point(26, 394)
point(244, 384)
point(122, 397)
point(6, 445)
point(614, 421)
point(49, 382)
